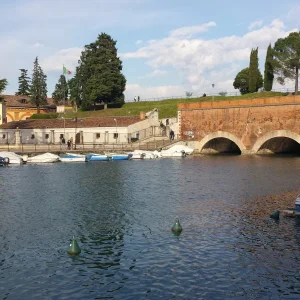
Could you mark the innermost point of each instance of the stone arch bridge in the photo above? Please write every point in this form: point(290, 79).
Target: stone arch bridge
point(252, 126)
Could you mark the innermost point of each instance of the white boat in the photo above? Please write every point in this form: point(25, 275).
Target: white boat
point(71, 157)
point(43, 158)
point(13, 158)
point(175, 151)
point(142, 154)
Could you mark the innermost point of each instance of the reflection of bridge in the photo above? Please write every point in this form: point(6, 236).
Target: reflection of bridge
point(269, 125)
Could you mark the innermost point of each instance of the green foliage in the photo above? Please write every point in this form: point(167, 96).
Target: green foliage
point(24, 85)
point(3, 84)
point(38, 89)
point(188, 94)
point(255, 78)
point(286, 53)
point(223, 93)
point(44, 116)
point(241, 81)
point(74, 91)
point(61, 91)
point(98, 77)
point(269, 70)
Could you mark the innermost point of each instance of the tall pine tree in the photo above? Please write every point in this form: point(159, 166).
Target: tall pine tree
point(24, 86)
point(38, 89)
point(61, 91)
point(269, 70)
point(253, 71)
point(99, 73)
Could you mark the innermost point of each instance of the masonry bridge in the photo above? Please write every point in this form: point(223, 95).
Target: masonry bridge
point(252, 126)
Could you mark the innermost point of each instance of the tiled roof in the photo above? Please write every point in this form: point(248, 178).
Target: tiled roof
point(70, 123)
point(24, 101)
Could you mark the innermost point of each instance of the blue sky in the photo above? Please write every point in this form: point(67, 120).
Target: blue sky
point(167, 47)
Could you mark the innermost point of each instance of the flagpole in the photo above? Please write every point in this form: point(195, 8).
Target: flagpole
point(64, 105)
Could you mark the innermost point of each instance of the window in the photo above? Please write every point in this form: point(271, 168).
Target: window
point(116, 135)
point(4, 136)
point(98, 135)
point(32, 136)
point(46, 136)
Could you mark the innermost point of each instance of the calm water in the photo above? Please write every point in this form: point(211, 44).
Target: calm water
point(121, 213)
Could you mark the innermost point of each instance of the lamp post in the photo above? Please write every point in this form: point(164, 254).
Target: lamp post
point(116, 130)
point(213, 97)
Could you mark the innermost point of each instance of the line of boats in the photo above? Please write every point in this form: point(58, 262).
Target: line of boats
point(7, 158)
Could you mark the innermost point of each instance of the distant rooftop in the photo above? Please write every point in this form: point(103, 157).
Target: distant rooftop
point(71, 123)
point(24, 101)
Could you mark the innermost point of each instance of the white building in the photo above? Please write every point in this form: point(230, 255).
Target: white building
point(104, 130)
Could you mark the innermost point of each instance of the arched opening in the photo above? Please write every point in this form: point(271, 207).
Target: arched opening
point(221, 145)
point(279, 145)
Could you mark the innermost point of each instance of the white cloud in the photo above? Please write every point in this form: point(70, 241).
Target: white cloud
point(255, 24)
point(67, 57)
point(156, 73)
point(138, 42)
point(37, 45)
point(191, 30)
point(205, 61)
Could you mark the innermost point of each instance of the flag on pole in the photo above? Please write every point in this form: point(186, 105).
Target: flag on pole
point(66, 71)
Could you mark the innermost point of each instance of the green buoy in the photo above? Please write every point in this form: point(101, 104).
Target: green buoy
point(275, 215)
point(74, 248)
point(176, 226)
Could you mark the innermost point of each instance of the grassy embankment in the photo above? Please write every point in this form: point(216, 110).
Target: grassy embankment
point(167, 108)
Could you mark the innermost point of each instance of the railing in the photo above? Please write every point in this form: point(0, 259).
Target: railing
point(199, 95)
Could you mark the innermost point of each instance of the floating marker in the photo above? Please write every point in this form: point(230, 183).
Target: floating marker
point(74, 248)
point(177, 227)
point(275, 215)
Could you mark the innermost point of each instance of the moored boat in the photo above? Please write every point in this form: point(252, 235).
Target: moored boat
point(43, 158)
point(96, 157)
point(114, 156)
point(4, 161)
point(71, 157)
point(12, 157)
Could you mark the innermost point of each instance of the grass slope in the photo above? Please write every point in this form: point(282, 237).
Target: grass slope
point(166, 108)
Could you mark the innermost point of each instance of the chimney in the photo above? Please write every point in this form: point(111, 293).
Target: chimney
point(142, 115)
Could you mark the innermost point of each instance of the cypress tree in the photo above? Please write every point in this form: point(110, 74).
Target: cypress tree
point(253, 71)
point(38, 89)
point(61, 91)
point(24, 86)
point(99, 73)
point(269, 70)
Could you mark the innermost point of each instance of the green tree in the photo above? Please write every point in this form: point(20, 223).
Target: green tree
point(75, 90)
point(24, 85)
point(241, 81)
point(269, 70)
point(38, 88)
point(3, 84)
point(286, 53)
point(61, 91)
point(99, 73)
point(254, 73)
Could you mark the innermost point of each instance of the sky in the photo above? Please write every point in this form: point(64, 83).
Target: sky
point(167, 47)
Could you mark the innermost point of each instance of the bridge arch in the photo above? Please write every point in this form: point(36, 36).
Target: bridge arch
point(221, 135)
point(278, 141)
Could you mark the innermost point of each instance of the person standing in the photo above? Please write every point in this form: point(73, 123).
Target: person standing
point(134, 98)
point(138, 98)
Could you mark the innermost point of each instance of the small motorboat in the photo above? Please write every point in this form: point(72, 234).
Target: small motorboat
point(4, 161)
point(72, 157)
point(43, 158)
point(114, 156)
point(13, 158)
point(141, 154)
point(96, 157)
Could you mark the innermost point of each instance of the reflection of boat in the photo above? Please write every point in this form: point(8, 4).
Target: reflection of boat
point(114, 156)
point(43, 158)
point(13, 157)
point(71, 157)
point(96, 157)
